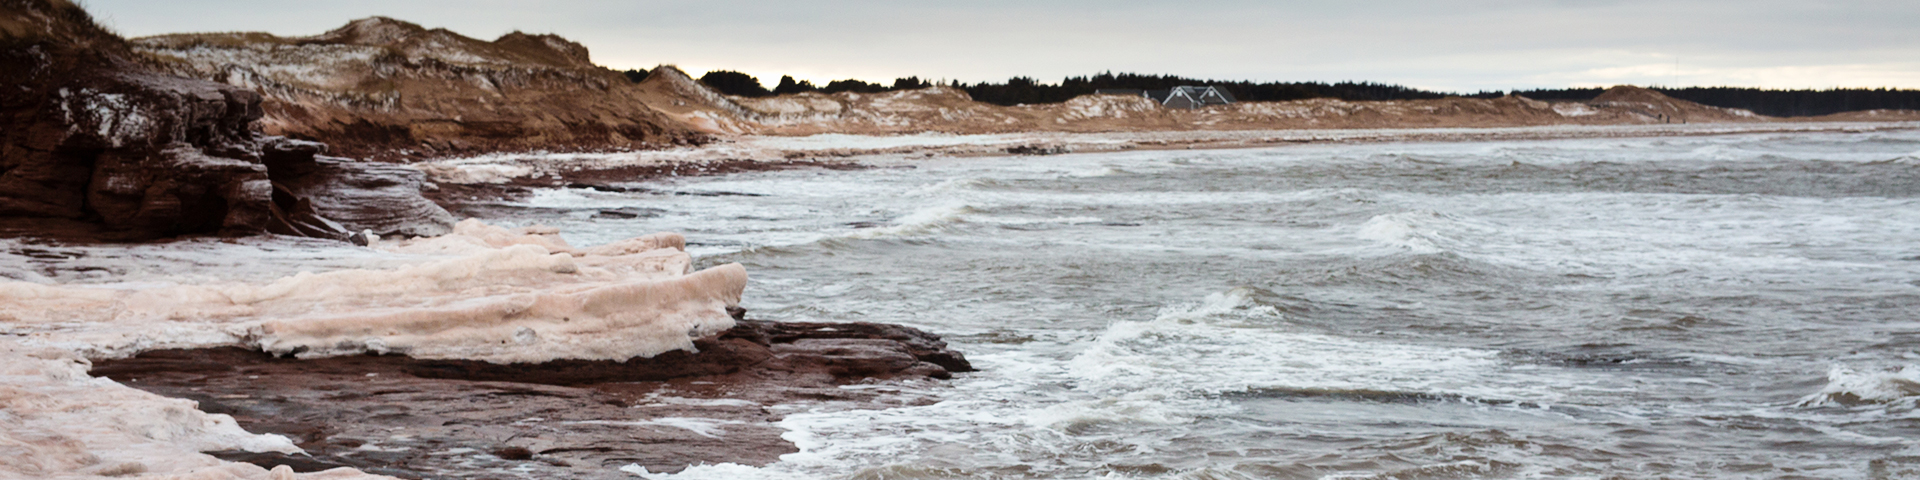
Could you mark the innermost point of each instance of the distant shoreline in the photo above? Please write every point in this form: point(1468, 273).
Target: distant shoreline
point(495, 172)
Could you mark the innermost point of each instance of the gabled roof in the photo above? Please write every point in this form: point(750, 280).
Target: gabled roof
point(1184, 96)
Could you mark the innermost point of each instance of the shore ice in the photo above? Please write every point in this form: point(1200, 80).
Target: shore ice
point(484, 293)
point(480, 293)
point(56, 422)
point(505, 167)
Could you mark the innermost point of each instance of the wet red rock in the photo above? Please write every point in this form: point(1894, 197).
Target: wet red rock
point(413, 418)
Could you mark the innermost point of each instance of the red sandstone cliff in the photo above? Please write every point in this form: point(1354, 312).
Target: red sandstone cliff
point(394, 89)
point(108, 131)
point(94, 142)
point(385, 88)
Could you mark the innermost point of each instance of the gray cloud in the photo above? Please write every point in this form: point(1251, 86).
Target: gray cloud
point(1456, 45)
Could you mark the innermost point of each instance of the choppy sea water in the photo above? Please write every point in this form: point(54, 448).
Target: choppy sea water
point(1705, 307)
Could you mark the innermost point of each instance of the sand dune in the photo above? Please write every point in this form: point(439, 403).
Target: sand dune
point(392, 89)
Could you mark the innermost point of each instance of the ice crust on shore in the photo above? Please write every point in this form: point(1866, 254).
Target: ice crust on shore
point(56, 422)
point(483, 293)
point(505, 167)
point(480, 293)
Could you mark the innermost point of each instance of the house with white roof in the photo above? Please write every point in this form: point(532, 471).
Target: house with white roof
point(1187, 97)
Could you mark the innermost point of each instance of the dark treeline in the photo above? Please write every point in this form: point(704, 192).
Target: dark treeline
point(1025, 90)
point(1019, 90)
point(1578, 94)
point(1776, 103)
point(740, 84)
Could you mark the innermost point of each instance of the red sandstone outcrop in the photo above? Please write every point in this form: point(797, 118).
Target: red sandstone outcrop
point(382, 197)
point(91, 134)
point(384, 88)
point(560, 419)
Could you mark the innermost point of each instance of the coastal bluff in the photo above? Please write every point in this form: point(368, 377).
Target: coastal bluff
point(95, 144)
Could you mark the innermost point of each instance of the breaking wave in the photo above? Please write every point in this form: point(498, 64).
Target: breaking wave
point(1419, 231)
point(1095, 173)
point(956, 184)
point(1231, 343)
point(932, 220)
point(1848, 387)
point(919, 222)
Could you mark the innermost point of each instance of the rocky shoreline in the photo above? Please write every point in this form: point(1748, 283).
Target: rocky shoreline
point(485, 199)
point(461, 183)
point(484, 353)
point(507, 354)
point(394, 415)
point(107, 140)
point(132, 140)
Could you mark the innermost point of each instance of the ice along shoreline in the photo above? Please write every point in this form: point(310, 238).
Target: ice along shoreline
point(494, 171)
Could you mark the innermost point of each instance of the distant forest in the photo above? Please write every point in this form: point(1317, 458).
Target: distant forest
point(1019, 90)
point(1025, 90)
point(1777, 103)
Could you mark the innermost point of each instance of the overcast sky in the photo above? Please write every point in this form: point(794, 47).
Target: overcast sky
point(1460, 46)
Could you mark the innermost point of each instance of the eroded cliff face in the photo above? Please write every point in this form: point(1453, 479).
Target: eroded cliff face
point(89, 133)
point(92, 138)
point(388, 89)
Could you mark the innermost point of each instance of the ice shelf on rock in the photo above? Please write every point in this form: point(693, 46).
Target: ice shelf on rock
point(480, 293)
point(57, 422)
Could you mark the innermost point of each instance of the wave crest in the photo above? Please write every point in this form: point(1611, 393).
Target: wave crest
point(1231, 343)
point(1848, 387)
point(1420, 231)
point(920, 222)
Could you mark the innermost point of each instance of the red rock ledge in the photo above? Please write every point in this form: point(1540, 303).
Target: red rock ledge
point(409, 418)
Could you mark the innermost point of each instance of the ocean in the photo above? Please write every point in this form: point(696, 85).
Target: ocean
point(1736, 306)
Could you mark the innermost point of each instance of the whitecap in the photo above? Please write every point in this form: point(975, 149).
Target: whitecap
point(1031, 220)
point(1849, 387)
point(1229, 343)
point(919, 222)
point(951, 185)
point(724, 471)
point(1418, 231)
point(1094, 173)
point(1717, 152)
point(1157, 406)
